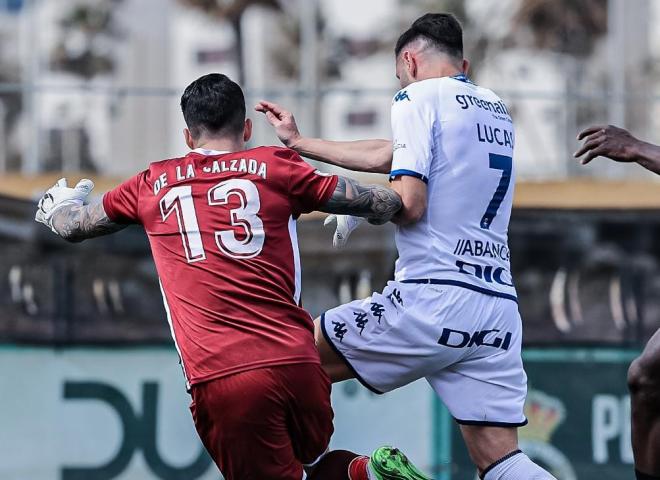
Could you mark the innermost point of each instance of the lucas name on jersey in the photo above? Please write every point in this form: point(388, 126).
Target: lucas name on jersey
point(497, 135)
point(185, 172)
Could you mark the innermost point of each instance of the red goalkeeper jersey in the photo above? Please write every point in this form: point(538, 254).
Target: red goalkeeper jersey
point(222, 229)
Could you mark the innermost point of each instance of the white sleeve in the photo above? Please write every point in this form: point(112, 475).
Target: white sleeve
point(413, 123)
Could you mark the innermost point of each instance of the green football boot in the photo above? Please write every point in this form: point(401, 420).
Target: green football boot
point(389, 463)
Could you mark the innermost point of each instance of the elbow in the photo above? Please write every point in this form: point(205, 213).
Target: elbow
point(381, 167)
point(377, 165)
point(381, 162)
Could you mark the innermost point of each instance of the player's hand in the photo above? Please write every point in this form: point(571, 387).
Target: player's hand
point(60, 195)
point(607, 141)
point(345, 225)
point(283, 122)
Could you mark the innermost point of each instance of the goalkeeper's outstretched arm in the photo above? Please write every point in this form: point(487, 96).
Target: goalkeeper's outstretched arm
point(65, 212)
point(78, 223)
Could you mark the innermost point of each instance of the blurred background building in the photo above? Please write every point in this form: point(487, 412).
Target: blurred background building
point(92, 88)
point(93, 85)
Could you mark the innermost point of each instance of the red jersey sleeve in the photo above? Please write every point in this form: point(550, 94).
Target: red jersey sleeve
point(121, 203)
point(308, 188)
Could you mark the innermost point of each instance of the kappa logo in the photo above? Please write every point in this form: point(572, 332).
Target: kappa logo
point(377, 310)
point(361, 320)
point(395, 297)
point(340, 330)
point(402, 95)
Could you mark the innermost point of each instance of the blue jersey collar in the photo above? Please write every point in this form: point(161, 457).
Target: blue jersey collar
point(461, 77)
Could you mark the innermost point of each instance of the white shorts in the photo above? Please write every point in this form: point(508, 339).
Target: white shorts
point(465, 343)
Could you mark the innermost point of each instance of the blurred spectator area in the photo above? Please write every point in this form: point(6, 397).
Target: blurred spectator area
point(89, 85)
point(584, 276)
point(94, 85)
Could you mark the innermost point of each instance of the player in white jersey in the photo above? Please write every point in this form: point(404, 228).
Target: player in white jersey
point(451, 313)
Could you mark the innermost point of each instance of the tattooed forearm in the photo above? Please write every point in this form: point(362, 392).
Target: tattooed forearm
point(377, 203)
point(78, 223)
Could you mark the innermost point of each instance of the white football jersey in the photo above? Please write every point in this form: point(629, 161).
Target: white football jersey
point(458, 138)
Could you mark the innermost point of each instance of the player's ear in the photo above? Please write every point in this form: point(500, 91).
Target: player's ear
point(410, 62)
point(247, 130)
point(466, 66)
point(189, 139)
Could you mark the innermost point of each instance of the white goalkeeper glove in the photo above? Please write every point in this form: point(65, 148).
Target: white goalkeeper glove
point(60, 195)
point(345, 225)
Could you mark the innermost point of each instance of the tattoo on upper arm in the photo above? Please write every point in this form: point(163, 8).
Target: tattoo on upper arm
point(76, 224)
point(375, 202)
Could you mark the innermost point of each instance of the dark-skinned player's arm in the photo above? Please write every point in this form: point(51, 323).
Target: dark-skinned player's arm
point(64, 211)
point(619, 145)
point(361, 155)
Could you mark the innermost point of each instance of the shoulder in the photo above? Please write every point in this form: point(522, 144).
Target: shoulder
point(422, 91)
point(422, 95)
point(281, 162)
point(272, 152)
point(160, 165)
point(155, 170)
point(487, 93)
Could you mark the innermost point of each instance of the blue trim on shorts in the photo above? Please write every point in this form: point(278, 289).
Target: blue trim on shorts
point(481, 423)
point(469, 286)
point(408, 173)
point(341, 355)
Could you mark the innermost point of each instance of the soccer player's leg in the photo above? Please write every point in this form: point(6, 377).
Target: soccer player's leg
point(374, 341)
point(385, 463)
point(495, 452)
point(309, 421)
point(644, 386)
point(333, 364)
point(485, 391)
point(365, 339)
point(242, 420)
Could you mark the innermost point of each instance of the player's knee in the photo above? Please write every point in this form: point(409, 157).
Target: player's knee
point(333, 366)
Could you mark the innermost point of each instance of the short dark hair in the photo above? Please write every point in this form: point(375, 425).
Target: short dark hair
point(442, 30)
point(213, 104)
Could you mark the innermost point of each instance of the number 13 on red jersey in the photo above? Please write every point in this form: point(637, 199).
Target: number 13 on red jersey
point(179, 200)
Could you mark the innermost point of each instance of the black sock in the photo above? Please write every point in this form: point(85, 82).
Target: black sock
point(643, 476)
